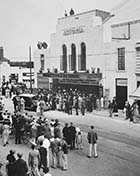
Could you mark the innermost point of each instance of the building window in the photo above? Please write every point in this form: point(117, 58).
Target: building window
point(82, 58)
point(138, 59)
point(73, 58)
point(63, 63)
point(121, 58)
point(42, 62)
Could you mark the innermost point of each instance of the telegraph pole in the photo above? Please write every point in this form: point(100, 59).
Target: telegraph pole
point(30, 68)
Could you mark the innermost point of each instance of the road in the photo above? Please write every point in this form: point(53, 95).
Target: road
point(118, 146)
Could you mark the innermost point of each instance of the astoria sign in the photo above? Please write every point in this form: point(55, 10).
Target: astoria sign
point(74, 30)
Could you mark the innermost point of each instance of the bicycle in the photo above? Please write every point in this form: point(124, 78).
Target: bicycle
point(136, 119)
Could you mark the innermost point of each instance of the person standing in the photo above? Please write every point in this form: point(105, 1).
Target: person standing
point(34, 160)
point(83, 105)
point(11, 159)
point(46, 144)
point(115, 106)
point(76, 105)
point(55, 145)
point(128, 110)
point(20, 166)
point(18, 131)
point(22, 104)
point(38, 107)
point(72, 135)
point(110, 108)
point(92, 140)
point(65, 132)
point(64, 155)
point(43, 156)
point(78, 140)
point(15, 103)
point(5, 133)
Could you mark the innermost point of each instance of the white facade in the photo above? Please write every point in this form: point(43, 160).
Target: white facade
point(22, 73)
point(103, 35)
point(84, 28)
point(4, 71)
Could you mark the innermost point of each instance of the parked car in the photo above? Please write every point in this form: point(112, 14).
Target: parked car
point(30, 101)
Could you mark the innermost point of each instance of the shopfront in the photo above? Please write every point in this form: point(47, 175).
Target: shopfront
point(84, 82)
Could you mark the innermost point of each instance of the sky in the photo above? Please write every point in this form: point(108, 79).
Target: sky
point(25, 22)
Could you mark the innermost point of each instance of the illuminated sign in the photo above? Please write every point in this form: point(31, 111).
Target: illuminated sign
point(74, 30)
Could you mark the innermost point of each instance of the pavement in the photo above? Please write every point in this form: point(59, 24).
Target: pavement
point(118, 144)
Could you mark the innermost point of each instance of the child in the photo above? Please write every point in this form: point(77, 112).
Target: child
point(78, 139)
point(64, 155)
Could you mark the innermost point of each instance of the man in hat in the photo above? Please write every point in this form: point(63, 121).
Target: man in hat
point(10, 166)
point(20, 166)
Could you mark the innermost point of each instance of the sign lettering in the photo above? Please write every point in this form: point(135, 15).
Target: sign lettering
point(74, 30)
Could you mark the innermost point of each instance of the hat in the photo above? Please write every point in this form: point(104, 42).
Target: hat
point(33, 143)
point(12, 151)
point(19, 155)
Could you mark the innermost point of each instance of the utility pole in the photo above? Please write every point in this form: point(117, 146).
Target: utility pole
point(30, 69)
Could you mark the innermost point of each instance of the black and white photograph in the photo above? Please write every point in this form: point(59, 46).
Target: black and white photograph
point(70, 88)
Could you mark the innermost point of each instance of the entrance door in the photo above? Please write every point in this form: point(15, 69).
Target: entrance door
point(121, 92)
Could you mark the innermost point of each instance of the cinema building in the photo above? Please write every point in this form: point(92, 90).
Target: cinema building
point(93, 51)
point(74, 58)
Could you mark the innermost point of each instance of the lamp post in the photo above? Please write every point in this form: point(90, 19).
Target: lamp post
point(30, 68)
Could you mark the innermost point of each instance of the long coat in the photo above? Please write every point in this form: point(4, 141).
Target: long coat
point(20, 167)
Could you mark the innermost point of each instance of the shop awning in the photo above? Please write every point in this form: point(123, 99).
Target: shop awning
point(135, 94)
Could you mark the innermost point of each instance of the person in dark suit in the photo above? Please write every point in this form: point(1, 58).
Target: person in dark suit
point(43, 156)
point(11, 159)
point(20, 166)
point(65, 132)
point(92, 140)
point(71, 135)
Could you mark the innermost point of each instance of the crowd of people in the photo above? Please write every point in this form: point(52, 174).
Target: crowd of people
point(49, 140)
point(131, 111)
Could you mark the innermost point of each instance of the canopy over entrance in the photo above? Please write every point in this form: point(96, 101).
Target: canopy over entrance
point(135, 94)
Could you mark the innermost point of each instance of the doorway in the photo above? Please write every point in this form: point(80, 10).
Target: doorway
point(121, 92)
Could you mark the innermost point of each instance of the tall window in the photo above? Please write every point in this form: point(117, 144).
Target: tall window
point(42, 62)
point(121, 58)
point(73, 57)
point(63, 64)
point(138, 59)
point(82, 58)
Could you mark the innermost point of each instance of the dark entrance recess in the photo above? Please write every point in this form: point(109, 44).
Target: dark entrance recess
point(86, 89)
point(121, 92)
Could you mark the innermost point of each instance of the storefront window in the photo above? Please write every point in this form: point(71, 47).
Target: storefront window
point(42, 62)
